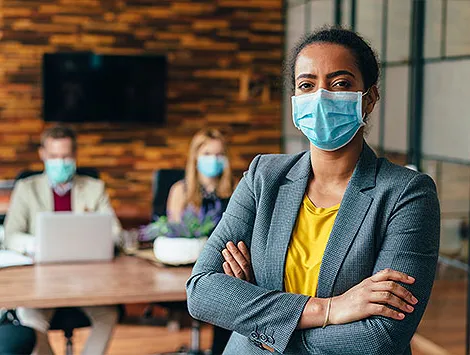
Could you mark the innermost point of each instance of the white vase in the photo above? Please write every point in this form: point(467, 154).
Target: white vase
point(178, 251)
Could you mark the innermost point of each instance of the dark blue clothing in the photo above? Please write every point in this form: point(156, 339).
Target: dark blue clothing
point(15, 339)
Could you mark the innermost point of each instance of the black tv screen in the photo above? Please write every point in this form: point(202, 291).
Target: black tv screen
point(86, 87)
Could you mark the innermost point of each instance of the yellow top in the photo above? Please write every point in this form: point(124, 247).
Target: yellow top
point(307, 246)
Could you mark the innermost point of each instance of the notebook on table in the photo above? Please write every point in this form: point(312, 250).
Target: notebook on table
point(9, 258)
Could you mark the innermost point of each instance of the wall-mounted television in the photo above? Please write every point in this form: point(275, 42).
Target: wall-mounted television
point(88, 87)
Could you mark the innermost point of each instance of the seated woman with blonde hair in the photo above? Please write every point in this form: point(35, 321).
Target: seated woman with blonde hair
point(208, 179)
point(207, 186)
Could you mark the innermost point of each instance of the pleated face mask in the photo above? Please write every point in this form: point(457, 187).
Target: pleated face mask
point(211, 165)
point(329, 120)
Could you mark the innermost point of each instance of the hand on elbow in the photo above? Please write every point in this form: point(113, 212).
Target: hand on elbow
point(373, 297)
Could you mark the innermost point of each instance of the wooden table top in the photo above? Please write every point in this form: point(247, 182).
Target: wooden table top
point(124, 280)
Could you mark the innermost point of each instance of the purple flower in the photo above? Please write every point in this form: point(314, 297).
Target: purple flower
point(194, 224)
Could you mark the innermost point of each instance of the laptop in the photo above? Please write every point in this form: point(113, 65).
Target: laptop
point(73, 237)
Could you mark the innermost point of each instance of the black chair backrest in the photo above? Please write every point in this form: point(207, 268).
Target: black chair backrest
point(91, 172)
point(68, 319)
point(162, 181)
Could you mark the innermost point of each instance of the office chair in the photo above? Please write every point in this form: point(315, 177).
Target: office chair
point(70, 318)
point(162, 181)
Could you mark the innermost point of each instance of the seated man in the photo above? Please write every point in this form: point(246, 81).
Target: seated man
point(58, 189)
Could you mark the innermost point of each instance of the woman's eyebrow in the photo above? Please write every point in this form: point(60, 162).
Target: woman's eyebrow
point(306, 76)
point(328, 76)
point(338, 73)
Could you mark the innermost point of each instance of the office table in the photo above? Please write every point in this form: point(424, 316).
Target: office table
point(124, 280)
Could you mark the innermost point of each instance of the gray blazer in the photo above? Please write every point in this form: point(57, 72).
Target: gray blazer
point(389, 218)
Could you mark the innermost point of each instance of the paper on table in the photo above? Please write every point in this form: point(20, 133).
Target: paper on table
point(12, 258)
point(22, 243)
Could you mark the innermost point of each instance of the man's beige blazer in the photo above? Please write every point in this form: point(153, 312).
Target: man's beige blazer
point(34, 194)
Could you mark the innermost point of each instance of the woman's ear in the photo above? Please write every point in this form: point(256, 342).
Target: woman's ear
point(371, 99)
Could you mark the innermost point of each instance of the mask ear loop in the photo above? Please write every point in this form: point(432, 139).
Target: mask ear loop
point(365, 114)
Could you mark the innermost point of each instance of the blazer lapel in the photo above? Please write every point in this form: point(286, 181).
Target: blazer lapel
point(78, 204)
point(285, 212)
point(44, 193)
point(351, 214)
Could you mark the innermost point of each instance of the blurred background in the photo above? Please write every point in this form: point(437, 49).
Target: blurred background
point(219, 63)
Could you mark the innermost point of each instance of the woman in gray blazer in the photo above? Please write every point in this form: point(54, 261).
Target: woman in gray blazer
point(379, 262)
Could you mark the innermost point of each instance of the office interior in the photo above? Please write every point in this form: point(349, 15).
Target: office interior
point(224, 69)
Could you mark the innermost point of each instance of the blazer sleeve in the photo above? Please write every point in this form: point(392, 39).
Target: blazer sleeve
point(232, 303)
point(17, 222)
point(411, 245)
point(104, 205)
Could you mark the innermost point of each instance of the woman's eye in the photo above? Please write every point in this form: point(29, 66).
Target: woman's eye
point(342, 84)
point(305, 86)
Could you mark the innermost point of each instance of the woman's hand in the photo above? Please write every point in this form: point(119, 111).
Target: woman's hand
point(373, 297)
point(238, 261)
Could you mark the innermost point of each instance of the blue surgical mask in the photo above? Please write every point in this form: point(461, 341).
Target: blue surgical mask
point(329, 120)
point(60, 171)
point(211, 165)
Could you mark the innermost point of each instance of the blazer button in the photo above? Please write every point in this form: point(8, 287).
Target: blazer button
point(263, 337)
point(254, 335)
point(270, 339)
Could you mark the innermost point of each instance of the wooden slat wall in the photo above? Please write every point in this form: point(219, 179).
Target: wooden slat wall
point(225, 59)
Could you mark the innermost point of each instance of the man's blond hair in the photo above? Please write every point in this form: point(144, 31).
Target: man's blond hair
point(58, 132)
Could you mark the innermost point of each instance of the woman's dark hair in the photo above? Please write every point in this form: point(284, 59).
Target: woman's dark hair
point(366, 58)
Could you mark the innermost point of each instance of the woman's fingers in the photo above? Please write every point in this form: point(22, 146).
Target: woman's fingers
point(238, 259)
point(395, 289)
point(382, 294)
point(386, 292)
point(228, 269)
point(244, 250)
point(246, 254)
point(382, 310)
point(387, 280)
point(392, 275)
point(389, 299)
point(237, 271)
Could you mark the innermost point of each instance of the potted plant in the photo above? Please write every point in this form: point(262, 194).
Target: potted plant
point(181, 243)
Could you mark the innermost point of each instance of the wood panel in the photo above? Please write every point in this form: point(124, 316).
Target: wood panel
point(224, 71)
